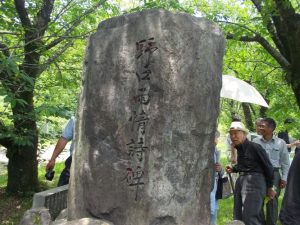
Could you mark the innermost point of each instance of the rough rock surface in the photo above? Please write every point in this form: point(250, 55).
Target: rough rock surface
point(236, 222)
point(82, 221)
point(146, 120)
point(35, 216)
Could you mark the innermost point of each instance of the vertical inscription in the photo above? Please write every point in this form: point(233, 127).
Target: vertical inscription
point(136, 146)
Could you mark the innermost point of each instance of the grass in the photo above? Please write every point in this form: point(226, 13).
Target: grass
point(225, 212)
point(12, 208)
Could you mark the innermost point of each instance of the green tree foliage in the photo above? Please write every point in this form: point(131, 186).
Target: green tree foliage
point(172, 5)
point(41, 45)
point(261, 49)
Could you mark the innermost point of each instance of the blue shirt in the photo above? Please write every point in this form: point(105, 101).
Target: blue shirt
point(277, 152)
point(68, 133)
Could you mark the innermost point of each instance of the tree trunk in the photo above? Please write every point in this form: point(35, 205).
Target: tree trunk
point(248, 116)
point(22, 141)
point(232, 110)
point(22, 171)
point(296, 88)
point(295, 70)
point(292, 24)
point(262, 112)
point(22, 165)
point(22, 154)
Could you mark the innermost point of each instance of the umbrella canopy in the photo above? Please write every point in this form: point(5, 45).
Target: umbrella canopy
point(241, 91)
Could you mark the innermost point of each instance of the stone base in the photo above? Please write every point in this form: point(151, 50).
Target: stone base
point(83, 221)
point(35, 216)
point(54, 199)
point(236, 222)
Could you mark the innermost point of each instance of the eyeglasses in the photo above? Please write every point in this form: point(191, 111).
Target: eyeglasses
point(262, 126)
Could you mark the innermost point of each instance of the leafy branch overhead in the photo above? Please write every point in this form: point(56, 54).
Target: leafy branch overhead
point(34, 36)
point(273, 24)
point(280, 20)
point(44, 34)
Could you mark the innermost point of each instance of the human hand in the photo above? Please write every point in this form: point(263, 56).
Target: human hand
point(50, 165)
point(271, 193)
point(282, 183)
point(228, 169)
point(296, 143)
point(233, 161)
point(218, 167)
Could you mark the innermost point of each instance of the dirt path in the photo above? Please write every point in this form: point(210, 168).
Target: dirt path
point(44, 156)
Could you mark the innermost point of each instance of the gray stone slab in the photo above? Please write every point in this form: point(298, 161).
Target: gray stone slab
point(54, 199)
point(83, 221)
point(146, 120)
point(236, 222)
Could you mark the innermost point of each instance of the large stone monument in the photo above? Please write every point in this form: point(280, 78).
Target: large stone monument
point(146, 120)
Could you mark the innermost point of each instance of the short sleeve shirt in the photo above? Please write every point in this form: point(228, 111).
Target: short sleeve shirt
point(68, 133)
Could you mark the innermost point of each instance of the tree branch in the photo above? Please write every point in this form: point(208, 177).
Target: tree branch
point(4, 49)
point(43, 16)
point(236, 24)
point(84, 35)
point(10, 33)
point(270, 26)
point(22, 12)
point(74, 25)
point(271, 71)
point(257, 61)
point(280, 58)
point(265, 44)
point(46, 64)
point(62, 10)
point(59, 73)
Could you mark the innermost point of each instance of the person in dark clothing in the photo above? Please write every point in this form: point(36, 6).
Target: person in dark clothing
point(290, 208)
point(255, 177)
point(284, 135)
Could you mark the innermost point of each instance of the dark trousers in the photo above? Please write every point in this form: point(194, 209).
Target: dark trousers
point(250, 191)
point(65, 174)
point(272, 205)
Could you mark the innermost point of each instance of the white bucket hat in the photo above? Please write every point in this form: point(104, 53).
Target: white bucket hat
point(238, 126)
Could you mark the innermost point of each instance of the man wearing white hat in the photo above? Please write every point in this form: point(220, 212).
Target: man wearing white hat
point(255, 177)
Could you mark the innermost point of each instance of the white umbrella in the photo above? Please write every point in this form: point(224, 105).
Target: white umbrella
point(241, 91)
